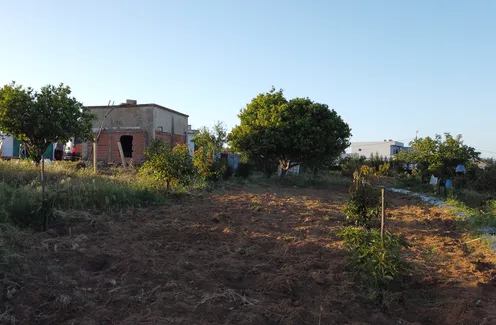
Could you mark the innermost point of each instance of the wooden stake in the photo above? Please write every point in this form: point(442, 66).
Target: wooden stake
point(94, 157)
point(383, 215)
point(121, 152)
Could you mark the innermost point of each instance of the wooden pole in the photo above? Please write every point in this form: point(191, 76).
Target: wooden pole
point(383, 214)
point(121, 152)
point(94, 157)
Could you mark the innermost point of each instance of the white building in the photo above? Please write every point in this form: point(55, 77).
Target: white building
point(386, 148)
point(189, 139)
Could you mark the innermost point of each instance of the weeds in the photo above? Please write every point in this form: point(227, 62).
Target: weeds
point(380, 261)
point(69, 188)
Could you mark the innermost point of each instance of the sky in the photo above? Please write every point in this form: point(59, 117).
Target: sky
point(389, 68)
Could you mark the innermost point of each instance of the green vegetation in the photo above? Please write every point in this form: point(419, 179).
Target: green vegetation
point(274, 131)
point(380, 261)
point(437, 156)
point(69, 188)
point(363, 206)
point(168, 166)
point(40, 119)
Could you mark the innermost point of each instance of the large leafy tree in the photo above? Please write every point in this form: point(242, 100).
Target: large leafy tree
point(42, 118)
point(298, 131)
point(439, 156)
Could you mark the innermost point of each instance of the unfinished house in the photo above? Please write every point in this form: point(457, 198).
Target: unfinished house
point(134, 126)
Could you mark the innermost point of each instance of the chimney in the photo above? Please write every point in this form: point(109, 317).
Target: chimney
point(131, 102)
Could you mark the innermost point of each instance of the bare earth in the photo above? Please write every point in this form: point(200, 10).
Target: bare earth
point(258, 256)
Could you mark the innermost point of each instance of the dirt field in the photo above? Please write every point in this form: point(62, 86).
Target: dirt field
point(259, 256)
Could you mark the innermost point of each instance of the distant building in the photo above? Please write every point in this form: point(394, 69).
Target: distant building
point(386, 148)
point(190, 136)
point(135, 126)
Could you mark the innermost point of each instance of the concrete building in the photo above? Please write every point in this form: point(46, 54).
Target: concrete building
point(135, 126)
point(190, 137)
point(386, 148)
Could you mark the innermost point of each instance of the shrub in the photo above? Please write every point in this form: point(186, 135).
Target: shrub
point(380, 261)
point(228, 173)
point(384, 169)
point(244, 170)
point(207, 167)
point(410, 180)
point(350, 164)
point(363, 206)
point(168, 166)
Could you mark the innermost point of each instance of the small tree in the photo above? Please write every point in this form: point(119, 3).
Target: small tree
point(168, 166)
point(212, 139)
point(363, 206)
point(209, 143)
point(42, 118)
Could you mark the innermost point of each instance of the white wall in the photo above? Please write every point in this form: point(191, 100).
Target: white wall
point(383, 148)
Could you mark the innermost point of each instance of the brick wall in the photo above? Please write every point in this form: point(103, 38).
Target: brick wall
point(111, 139)
point(166, 137)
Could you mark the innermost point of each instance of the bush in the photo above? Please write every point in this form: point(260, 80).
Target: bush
point(350, 164)
point(364, 205)
point(410, 180)
point(207, 167)
point(228, 173)
point(384, 170)
point(168, 166)
point(244, 170)
point(381, 262)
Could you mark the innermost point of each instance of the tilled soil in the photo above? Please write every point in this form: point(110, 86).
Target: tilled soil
point(264, 256)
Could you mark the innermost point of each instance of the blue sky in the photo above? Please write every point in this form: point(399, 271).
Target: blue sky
point(387, 67)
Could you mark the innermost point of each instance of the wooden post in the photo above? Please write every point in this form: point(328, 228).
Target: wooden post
point(383, 214)
point(122, 154)
point(94, 157)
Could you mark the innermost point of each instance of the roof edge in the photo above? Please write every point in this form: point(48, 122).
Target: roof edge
point(138, 105)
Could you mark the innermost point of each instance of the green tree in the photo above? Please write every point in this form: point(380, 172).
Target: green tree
point(168, 166)
point(209, 142)
point(42, 118)
point(293, 132)
point(212, 139)
point(438, 156)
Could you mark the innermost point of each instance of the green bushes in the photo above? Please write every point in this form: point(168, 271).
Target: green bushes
point(378, 258)
point(244, 170)
point(363, 206)
point(380, 261)
point(166, 165)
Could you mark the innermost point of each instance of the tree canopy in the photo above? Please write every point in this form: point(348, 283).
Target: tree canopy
point(211, 139)
point(298, 131)
point(42, 118)
point(166, 165)
point(438, 156)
